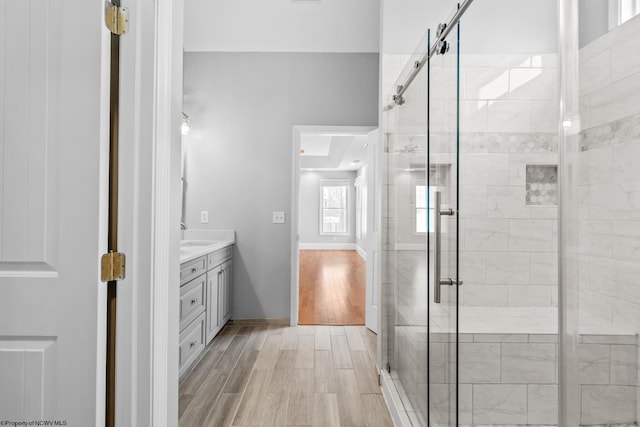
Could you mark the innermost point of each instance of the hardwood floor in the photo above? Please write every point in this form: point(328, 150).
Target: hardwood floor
point(266, 376)
point(332, 288)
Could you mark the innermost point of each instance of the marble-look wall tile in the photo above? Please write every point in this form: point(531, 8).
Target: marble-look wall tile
point(485, 82)
point(510, 116)
point(598, 306)
point(533, 84)
point(474, 115)
point(486, 234)
point(528, 363)
point(465, 404)
point(584, 202)
point(499, 404)
point(615, 201)
point(544, 268)
point(484, 169)
point(530, 235)
point(548, 338)
point(479, 363)
point(608, 339)
point(626, 313)
point(595, 166)
point(626, 240)
point(544, 116)
point(473, 267)
point(596, 238)
point(625, 159)
point(615, 101)
point(508, 268)
point(473, 201)
point(624, 360)
point(544, 212)
point(542, 404)
point(626, 276)
point(505, 201)
point(501, 338)
point(530, 296)
point(594, 363)
point(608, 404)
point(485, 295)
point(595, 72)
point(623, 63)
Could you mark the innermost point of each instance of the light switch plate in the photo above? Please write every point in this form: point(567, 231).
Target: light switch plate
point(204, 217)
point(278, 217)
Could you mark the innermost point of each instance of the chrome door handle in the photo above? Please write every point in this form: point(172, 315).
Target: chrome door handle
point(437, 228)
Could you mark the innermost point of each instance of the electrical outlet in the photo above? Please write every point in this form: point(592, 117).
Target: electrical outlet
point(204, 217)
point(278, 217)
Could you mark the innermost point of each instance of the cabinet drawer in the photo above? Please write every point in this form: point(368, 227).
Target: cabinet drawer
point(192, 269)
point(191, 343)
point(216, 258)
point(192, 300)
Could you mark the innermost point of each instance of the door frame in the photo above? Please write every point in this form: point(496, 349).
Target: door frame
point(150, 118)
point(295, 199)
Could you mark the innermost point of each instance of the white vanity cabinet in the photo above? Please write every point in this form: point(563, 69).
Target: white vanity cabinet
point(218, 290)
point(205, 301)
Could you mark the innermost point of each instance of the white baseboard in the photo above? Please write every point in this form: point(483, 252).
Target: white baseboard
point(328, 246)
point(361, 252)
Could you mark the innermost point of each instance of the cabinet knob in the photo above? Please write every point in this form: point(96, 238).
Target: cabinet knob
point(193, 301)
point(194, 269)
point(193, 344)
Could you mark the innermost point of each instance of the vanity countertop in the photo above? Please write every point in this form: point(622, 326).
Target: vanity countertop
point(192, 249)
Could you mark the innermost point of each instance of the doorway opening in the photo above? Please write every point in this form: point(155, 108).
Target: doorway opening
point(331, 176)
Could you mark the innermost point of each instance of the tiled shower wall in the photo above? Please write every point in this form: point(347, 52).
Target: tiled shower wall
point(609, 179)
point(508, 179)
point(610, 176)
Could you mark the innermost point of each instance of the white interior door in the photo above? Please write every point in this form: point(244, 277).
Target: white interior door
point(372, 241)
point(52, 135)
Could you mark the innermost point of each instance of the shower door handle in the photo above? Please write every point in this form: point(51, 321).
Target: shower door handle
point(437, 226)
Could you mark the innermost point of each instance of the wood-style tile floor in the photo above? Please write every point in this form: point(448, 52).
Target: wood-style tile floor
point(285, 376)
point(332, 288)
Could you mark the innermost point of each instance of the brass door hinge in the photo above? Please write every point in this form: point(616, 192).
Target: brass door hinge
point(113, 266)
point(117, 19)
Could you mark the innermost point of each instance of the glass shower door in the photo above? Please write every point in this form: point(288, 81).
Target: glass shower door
point(442, 190)
point(421, 240)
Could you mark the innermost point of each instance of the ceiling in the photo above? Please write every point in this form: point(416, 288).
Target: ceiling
point(321, 151)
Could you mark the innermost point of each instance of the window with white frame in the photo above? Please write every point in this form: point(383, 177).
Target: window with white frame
point(358, 187)
point(334, 206)
point(422, 220)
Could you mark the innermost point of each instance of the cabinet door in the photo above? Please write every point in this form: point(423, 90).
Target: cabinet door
point(213, 318)
point(226, 309)
point(223, 292)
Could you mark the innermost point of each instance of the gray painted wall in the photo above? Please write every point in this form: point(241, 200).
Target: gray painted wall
point(309, 225)
point(238, 162)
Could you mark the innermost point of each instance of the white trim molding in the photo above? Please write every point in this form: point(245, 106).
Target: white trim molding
point(295, 198)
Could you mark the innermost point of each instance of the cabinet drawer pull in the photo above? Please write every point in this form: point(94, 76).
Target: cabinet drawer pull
point(194, 269)
point(193, 344)
point(193, 301)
